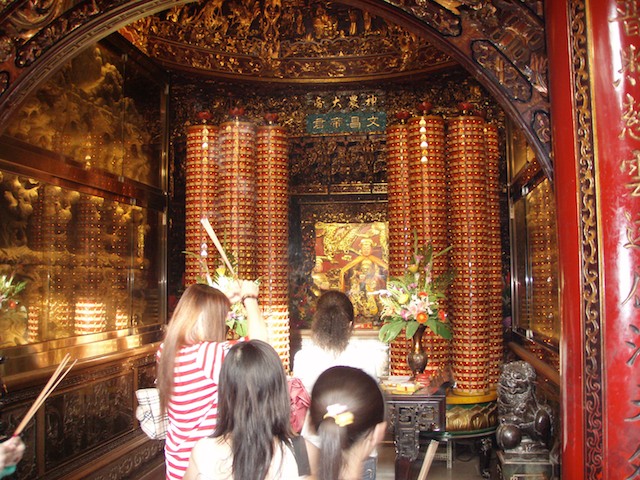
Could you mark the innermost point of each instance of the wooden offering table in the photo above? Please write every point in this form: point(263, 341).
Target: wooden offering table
point(410, 414)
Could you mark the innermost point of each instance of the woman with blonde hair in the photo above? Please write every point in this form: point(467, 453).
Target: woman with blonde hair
point(347, 413)
point(189, 362)
point(253, 439)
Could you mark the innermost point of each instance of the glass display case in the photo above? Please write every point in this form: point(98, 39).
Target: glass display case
point(85, 263)
point(534, 255)
point(83, 211)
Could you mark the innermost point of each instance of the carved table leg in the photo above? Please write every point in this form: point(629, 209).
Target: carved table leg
point(486, 446)
point(403, 468)
point(407, 445)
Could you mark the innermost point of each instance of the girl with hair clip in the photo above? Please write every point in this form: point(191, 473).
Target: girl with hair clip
point(347, 412)
point(189, 363)
point(253, 439)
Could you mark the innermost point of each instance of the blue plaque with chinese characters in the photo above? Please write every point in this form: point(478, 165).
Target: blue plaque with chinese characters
point(346, 122)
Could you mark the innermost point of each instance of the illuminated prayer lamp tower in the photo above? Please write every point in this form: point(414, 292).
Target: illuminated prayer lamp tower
point(272, 235)
point(428, 209)
point(237, 186)
point(494, 249)
point(469, 257)
point(200, 195)
point(400, 233)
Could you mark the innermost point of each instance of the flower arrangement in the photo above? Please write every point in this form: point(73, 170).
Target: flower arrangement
point(222, 279)
point(414, 299)
point(13, 315)
point(9, 290)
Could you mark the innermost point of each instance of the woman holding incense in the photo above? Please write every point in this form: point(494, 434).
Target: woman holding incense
point(189, 363)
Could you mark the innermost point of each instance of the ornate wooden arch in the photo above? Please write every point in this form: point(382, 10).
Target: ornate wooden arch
point(502, 44)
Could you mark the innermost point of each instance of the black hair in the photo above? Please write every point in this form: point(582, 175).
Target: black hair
point(358, 394)
point(333, 321)
point(253, 407)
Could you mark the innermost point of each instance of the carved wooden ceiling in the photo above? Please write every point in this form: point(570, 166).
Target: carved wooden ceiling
point(283, 40)
point(502, 43)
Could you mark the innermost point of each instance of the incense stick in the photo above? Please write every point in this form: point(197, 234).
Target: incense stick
point(428, 459)
point(207, 226)
point(53, 382)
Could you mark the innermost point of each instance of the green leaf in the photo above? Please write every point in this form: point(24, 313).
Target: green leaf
point(439, 328)
point(412, 327)
point(389, 331)
point(241, 329)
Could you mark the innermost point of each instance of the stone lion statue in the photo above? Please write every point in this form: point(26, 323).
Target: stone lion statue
point(524, 424)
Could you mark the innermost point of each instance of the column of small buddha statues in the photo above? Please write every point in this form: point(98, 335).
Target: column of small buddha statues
point(249, 211)
point(429, 209)
point(494, 249)
point(469, 257)
point(236, 179)
point(200, 195)
point(272, 239)
point(400, 232)
point(418, 203)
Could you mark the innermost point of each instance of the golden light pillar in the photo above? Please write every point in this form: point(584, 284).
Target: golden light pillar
point(428, 209)
point(400, 234)
point(272, 234)
point(200, 197)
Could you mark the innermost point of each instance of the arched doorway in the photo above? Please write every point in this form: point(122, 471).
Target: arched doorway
point(57, 35)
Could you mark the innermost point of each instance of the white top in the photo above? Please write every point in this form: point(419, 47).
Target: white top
point(311, 360)
point(212, 459)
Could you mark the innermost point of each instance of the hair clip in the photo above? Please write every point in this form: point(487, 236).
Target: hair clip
point(340, 414)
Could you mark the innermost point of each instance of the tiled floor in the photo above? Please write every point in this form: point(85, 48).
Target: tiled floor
point(465, 465)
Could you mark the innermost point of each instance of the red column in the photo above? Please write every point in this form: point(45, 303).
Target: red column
point(595, 88)
point(614, 37)
point(565, 174)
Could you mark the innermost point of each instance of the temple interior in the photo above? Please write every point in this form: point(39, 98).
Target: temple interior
point(323, 143)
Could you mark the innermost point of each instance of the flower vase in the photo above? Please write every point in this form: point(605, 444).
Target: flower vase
point(417, 357)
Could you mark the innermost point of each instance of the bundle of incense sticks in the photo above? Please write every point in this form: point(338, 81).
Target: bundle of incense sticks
point(428, 459)
point(53, 382)
point(214, 238)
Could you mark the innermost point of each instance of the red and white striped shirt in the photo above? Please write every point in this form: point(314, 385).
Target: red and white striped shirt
point(193, 407)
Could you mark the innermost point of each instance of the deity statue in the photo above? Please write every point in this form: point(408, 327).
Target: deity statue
point(361, 279)
point(321, 281)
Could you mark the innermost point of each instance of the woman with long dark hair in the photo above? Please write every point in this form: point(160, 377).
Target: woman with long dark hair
point(253, 439)
point(347, 412)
